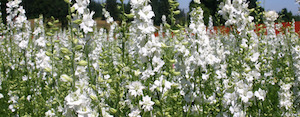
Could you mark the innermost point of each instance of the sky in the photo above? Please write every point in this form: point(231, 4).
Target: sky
point(276, 5)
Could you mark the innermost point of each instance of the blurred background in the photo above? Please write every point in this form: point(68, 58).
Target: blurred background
point(288, 9)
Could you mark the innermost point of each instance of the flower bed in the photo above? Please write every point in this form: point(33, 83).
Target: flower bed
point(129, 71)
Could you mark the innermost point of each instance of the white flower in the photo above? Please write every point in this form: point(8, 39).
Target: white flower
point(106, 76)
point(146, 13)
point(135, 88)
point(80, 5)
point(158, 63)
point(84, 111)
point(260, 94)
point(211, 59)
point(135, 113)
point(146, 74)
point(146, 28)
point(255, 57)
point(43, 61)
point(106, 14)
point(164, 18)
point(137, 3)
point(23, 44)
point(50, 113)
point(245, 97)
point(13, 3)
point(20, 20)
point(297, 48)
point(11, 107)
point(286, 87)
point(285, 103)
point(105, 113)
point(87, 22)
point(162, 85)
point(271, 15)
point(24, 78)
point(205, 76)
point(1, 95)
point(212, 99)
point(80, 70)
point(40, 42)
point(239, 114)
point(147, 103)
point(37, 31)
point(76, 99)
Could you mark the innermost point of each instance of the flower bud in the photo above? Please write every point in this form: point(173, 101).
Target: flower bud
point(49, 34)
point(65, 50)
point(66, 78)
point(167, 25)
point(121, 94)
point(48, 69)
point(82, 63)
point(69, 17)
point(176, 73)
point(48, 53)
point(109, 81)
point(74, 30)
point(157, 102)
point(126, 69)
point(68, 1)
point(177, 12)
point(100, 79)
point(164, 45)
point(75, 41)
point(113, 111)
point(172, 61)
point(137, 72)
point(50, 23)
point(78, 21)
point(176, 31)
point(72, 9)
point(56, 58)
point(129, 16)
point(56, 41)
point(105, 72)
point(166, 73)
point(118, 50)
point(67, 57)
point(78, 47)
point(185, 43)
point(159, 114)
point(93, 97)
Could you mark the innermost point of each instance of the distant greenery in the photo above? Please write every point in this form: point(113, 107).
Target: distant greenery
point(285, 15)
point(59, 9)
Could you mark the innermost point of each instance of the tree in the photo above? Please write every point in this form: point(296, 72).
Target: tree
point(160, 8)
point(112, 8)
point(96, 7)
point(258, 16)
point(3, 10)
point(210, 8)
point(56, 8)
point(285, 15)
point(252, 4)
